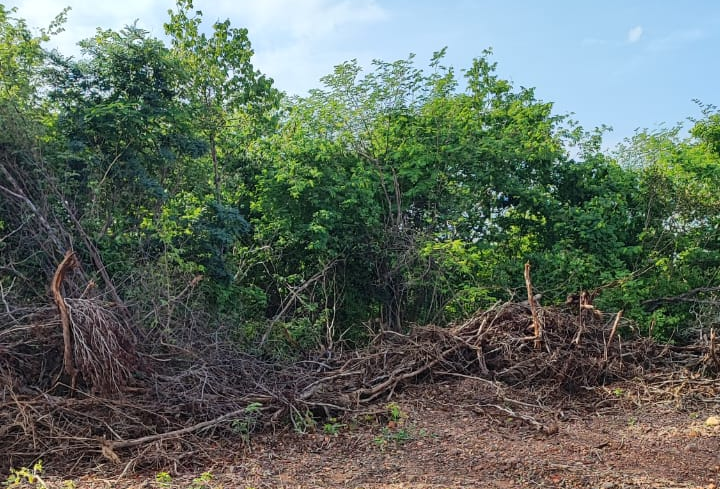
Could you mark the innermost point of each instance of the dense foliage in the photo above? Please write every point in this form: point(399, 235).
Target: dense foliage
point(197, 195)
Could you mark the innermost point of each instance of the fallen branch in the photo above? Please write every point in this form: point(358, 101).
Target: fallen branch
point(712, 353)
point(541, 427)
point(195, 389)
point(112, 445)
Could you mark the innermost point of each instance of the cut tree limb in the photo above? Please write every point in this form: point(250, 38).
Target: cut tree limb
point(613, 330)
point(537, 327)
point(68, 263)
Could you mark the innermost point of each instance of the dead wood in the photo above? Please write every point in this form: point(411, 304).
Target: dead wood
point(200, 388)
point(537, 328)
point(114, 445)
point(68, 263)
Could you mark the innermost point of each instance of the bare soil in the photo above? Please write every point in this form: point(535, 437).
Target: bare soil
point(447, 436)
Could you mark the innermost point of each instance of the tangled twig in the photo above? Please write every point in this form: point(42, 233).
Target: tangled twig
point(201, 388)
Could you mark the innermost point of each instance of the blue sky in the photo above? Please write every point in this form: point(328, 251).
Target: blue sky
point(628, 64)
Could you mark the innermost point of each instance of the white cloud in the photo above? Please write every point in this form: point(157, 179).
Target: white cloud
point(299, 41)
point(310, 19)
point(296, 41)
point(635, 34)
point(86, 16)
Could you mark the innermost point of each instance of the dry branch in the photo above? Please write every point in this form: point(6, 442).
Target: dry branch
point(68, 263)
point(293, 297)
point(113, 445)
point(537, 329)
point(712, 353)
point(200, 383)
point(613, 331)
point(19, 195)
point(97, 259)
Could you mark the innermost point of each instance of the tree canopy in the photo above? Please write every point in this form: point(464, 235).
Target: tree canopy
point(408, 192)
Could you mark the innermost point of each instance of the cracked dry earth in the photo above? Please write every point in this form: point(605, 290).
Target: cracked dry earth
point(445, 440)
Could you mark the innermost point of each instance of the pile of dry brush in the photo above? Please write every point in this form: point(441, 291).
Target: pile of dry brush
point(79, 384)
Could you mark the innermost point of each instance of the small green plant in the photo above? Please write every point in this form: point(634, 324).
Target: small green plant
point(253, 408)
point(163, 479)
point(632, 421)
point(397, 431)
point(396, 436)
point(332, 427)
point(400, 436)
point(246, 425)
point(241, 427)
point(202, 482)
point(69, 484)
point(395, 412)
point(618, 392)
point(24, 475)
point(303, 422)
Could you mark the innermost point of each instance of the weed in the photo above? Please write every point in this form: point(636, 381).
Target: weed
point(246, 425)
point(202, 482)
point(395, 413)
point(303, 422)
point(618, 392)
point(253, 408)
point(380, 442)
point(332, 427)
point(399, 436)
point(396, 436)
point(397, 431)
point(23, 475)
point(163, 479)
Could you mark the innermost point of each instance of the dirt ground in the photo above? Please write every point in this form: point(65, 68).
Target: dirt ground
point(445, 435)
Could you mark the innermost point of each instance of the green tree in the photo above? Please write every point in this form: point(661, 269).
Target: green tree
point(33, 233)
point(232, 107)
point(412, 185)
point(225, 92)
point(681, 244)
point(122, 140)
